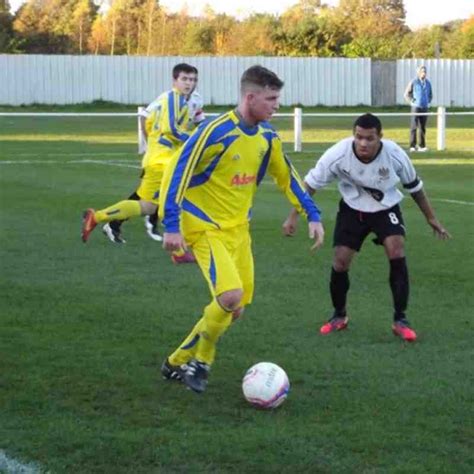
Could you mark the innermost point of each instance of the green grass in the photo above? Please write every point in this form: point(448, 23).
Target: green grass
point(84, 328)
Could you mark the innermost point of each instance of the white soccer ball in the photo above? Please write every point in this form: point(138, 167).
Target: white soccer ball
point(265, 385)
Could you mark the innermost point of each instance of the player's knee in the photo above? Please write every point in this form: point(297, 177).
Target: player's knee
point(394, 247)
point(230, 300)
point(147, 208)
point(395, 252)
point(237, 313)
point(341, 264)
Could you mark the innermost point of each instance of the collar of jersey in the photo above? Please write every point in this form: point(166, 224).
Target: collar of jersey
point(373, 159)
point(241, 124)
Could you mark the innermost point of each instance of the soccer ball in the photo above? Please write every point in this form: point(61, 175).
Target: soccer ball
point(265, 385)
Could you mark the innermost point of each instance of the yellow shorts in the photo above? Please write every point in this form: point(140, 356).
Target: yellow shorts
point(150, 184)
point(225, 259)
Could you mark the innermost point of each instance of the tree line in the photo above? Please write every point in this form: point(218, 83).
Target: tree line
point(354, 28)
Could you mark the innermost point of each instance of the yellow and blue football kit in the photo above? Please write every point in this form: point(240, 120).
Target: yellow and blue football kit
point(167, 129)
point(167, 124)
point(207, 194)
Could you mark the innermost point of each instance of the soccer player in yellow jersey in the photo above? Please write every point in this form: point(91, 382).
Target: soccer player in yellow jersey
point(169, 129)
point(205, 203)
point(113, 229)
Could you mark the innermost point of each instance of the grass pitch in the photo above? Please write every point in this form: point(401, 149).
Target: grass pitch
point(84, 328)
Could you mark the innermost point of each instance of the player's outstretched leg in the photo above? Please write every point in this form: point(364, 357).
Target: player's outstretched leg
point(88, 224)
point(120, 211)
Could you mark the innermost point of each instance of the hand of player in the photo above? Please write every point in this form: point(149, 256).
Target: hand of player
point(173, 241)
point(438, 229)
point(290, 225)
point(316, 233)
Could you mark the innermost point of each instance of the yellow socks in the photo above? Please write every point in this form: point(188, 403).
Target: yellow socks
point(186, 350)
point(216, 321)
point(201, 341)
point(119, 211)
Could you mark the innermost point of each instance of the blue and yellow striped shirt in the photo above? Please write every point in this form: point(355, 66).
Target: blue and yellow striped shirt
point(213, 178)
point(166, 125)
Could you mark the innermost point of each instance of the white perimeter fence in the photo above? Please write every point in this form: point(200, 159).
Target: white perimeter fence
point(59, 79)
point(297, 115)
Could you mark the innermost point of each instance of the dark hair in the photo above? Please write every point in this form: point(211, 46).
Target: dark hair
point(368, 121)
point(260, 76)
point(183, 67)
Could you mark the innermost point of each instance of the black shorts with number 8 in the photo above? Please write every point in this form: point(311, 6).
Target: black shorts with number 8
point(352, 226)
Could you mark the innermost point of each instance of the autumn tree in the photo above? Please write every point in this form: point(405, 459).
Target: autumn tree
point(255, 36)
point(6, 26)
point(459, 40)
point(376, 27)
point(81, 21)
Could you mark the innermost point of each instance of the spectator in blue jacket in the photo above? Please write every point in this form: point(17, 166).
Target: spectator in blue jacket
point(419, 94)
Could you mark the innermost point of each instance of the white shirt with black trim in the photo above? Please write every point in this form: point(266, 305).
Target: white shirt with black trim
point(366, 187)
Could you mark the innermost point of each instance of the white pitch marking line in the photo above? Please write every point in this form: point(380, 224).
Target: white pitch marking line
point(454, 201)
point(449, 201)
point(105, 163)
point(113, 153)
point(13, 466)
point(121, 164)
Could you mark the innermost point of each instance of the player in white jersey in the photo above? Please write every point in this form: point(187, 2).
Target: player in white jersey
point(368, 170)
point(195, 105)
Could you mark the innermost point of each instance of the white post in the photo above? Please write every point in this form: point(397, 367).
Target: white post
point(141, 136)
point(298, 128)
point(441, 119)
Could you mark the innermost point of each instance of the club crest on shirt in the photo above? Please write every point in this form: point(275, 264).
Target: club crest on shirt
point(384, 173)
point(236, 157)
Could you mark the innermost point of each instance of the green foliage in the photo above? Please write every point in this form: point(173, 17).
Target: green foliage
point(354, 28)
point(6, 27)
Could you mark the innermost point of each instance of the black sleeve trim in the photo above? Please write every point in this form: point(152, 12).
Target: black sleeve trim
point(413, 184)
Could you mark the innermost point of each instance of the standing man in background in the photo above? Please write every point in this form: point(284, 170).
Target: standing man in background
point(419, 94)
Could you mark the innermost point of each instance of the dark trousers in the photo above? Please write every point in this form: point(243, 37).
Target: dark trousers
point(418, 122)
